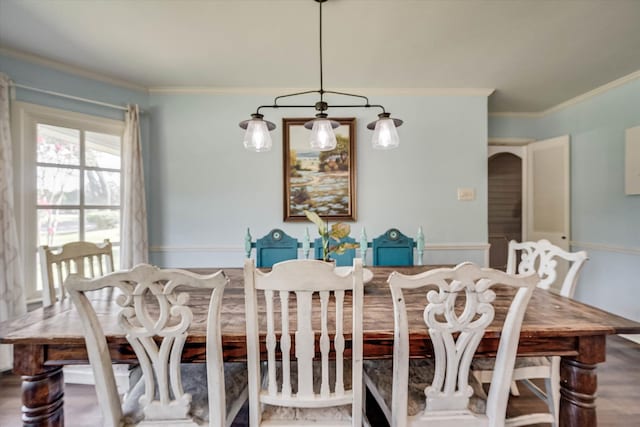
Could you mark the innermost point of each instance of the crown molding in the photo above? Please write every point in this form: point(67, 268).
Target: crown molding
point(594, 92)
point(573, 101)
point(71, 69)
point(484, 92)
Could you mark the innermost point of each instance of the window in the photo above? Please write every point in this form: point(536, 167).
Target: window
point(68, 187)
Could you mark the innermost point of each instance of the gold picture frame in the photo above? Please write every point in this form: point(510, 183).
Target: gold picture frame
point(323, 182)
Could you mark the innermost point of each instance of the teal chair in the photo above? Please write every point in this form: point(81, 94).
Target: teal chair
point(393, 249)
point(274, 247)
point(344, 260)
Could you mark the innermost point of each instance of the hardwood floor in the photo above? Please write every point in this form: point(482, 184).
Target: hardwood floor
point(618, 394)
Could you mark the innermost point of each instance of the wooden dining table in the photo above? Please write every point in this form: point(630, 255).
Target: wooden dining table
point(46, 339)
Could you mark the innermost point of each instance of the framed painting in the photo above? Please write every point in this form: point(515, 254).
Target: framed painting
point(319, 181)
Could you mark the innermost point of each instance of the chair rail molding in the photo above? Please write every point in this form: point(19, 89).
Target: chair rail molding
point(195, 248)
point(238, 248)
point(232, 255)
point(629, 250)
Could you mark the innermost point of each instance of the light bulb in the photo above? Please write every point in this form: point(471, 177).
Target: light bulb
point(322, 136)
point(385, 135)
point(257, 137)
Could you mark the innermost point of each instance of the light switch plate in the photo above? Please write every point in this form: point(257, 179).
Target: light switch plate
point(466, 194)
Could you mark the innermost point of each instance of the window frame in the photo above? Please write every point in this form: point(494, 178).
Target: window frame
point(25, 118)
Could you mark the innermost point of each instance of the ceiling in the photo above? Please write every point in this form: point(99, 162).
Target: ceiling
point(535, 53)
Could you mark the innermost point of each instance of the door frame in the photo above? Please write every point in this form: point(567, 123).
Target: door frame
point(521, 147)
point(518, 148)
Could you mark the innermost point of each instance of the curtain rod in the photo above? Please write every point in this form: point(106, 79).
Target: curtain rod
point(64, 95)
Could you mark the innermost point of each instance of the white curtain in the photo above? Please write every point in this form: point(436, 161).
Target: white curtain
point(12, 299)
point(134, 246)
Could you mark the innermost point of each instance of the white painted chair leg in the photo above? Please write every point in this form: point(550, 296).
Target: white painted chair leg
point(514, 389)
point(553, 390)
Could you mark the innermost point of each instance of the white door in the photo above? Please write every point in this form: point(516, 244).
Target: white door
point(548, 191)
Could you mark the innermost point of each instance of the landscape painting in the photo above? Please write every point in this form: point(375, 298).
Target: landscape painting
point(319, 181)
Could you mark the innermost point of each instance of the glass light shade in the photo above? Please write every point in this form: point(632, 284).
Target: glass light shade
point(322, 136)
point(385, 135)
point(257, 137)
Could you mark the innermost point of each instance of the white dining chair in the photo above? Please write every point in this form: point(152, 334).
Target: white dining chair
point(156, 318)
point(440, 392)
point(544, 259)
point(305, 300)
point(87, 259)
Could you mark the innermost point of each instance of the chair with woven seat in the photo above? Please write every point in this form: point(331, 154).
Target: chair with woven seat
point(542, 258)
point(440, 391)
point(276, 246)
point(156, 319)
point(306, 389)
point(392, 248)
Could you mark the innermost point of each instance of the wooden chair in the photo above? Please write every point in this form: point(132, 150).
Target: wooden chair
point(305, 391)
point(156, 319)
point(342, 260)
point(88, 260)
point(425, 392)
point(85, 258)
point(393, 249)
point(542, 258)
point(275, 247)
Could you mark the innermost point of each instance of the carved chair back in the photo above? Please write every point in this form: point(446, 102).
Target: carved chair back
point(84, 258)
point(543, 257)
point(393, 249)
point(156, 319)
point(310, 296)
point(275, 247)
point(459, 310)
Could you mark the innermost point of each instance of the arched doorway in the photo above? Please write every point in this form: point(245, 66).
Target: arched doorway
point(504, 205)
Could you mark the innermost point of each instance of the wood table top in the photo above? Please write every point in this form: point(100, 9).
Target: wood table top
point(548, 315)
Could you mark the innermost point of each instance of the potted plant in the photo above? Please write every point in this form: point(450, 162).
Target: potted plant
point(331, 237)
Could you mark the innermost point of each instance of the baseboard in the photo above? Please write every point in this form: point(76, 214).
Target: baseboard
point(631, 337)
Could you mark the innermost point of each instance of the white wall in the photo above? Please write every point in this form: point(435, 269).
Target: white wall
point(604, 221)
point(206, 189)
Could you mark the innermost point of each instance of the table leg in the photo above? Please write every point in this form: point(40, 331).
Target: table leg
point(42, 387)
point(578, 383)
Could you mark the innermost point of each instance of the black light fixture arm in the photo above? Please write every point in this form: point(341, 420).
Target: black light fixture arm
point(275, 100)
point(321, 106)
point(350, 94)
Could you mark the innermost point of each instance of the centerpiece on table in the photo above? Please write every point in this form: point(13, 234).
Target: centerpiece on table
point(331, 237)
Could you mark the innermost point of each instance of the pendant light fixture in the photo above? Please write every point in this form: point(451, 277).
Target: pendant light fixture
point(322, 137)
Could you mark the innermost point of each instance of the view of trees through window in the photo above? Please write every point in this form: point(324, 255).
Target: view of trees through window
point(78, 186)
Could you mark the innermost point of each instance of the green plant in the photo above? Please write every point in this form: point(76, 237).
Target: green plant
point(337, 232)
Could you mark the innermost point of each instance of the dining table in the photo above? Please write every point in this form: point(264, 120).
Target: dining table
point(46, 339)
